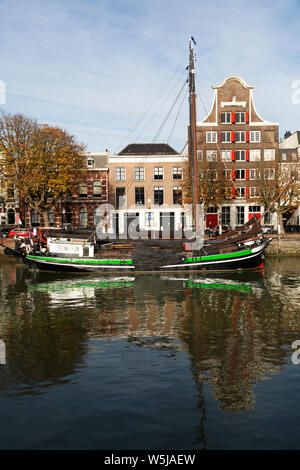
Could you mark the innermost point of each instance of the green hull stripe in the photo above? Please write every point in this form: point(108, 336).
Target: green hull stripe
point(220, 256)
point(82, 261)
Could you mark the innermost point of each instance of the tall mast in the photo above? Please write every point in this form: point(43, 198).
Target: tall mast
point(193, 142)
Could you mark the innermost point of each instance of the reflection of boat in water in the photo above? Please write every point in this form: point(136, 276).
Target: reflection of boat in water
point(100, 283)
point(81, 291)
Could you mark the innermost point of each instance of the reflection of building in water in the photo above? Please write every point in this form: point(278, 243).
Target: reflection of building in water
point(234, 331)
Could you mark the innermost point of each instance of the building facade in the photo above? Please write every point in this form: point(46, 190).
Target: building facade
point(245, 144)
point(289, 159)
point(146, 189)
point(83, 208)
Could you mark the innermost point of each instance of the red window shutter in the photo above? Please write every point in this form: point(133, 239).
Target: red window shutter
point(232, 136)
point(232, 155)
point(233, 174)
point(247, 174)
point(247, 192)
point(247, 136)
point(247, 155)
point(247, 117)
point(233, 193)
point(233, 117)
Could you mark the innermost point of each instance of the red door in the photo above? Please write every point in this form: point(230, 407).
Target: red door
point(211, 220)
point(251, 214)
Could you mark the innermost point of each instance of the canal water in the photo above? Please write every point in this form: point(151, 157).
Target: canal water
point(171, 361)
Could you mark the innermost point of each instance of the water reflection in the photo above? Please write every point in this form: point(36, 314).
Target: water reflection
point(235, 327)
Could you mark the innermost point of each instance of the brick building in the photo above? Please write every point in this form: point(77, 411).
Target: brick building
point(81, 209)
point(234, 134)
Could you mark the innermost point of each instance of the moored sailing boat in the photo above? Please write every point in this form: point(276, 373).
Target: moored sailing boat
point(240, 249)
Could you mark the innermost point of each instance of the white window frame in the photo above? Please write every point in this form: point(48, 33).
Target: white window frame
point(240, 114)
point(254, 136)
point(254, 192)
point(158, 171)
point(226, 114)
point(269, 173)
point(254, 175)
point(269, 155)
point(227, 137)
point(121, 170)
point(211, 155)
point(226, 155)
point(238, 192)
point(137, 171)
point(211, 137)
point(239, 170)
point(255, 155)
point(240, 152)
point(238, 136)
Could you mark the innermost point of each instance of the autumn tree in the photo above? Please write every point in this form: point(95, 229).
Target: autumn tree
point(211, 183)
point(270, 182)
point(44, 163)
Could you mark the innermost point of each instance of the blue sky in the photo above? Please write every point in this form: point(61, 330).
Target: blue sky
point(96, 67)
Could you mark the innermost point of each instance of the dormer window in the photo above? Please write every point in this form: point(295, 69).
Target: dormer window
point(90, 163)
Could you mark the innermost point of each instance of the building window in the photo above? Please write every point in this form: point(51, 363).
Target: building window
point(200, 154)
point(120, 174)
point(158, 195)
point(240, 174)
point(226, 136)
point(240, 136)
point(51, 217)
point(177, 195)
point(253, 174)
point(254, 136)
point(158, 173)
point(83, 190)
point(226, 155)
point(211, 155)
point(283, 156)
point(254, 155)
point(240, 155)
point(35, 218)
point(97, 188)
point(226, 174)
point(90, 163)
point(267, 218)
point(269, 173)
point(254, 192)
point(120, 198)
point(97, 215)
point(225, 215)
point(240, 192)
point(139, 196)
point(269, 154)
point(240, 215)
point(211, 137)
point(240, 118)
point(254, 209)
point(225, 118)
point(294, 156)
point(83, 217)
point(177, 172)
point(139, 174)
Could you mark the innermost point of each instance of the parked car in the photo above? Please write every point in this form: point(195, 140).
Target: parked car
point(18, 233)
point(4, 232)
point(267, 229)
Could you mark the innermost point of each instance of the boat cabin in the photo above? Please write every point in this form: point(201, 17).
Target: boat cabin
point(71, 248)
